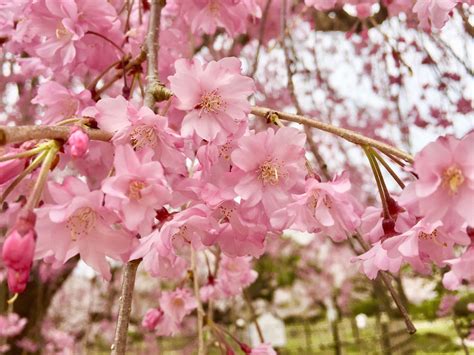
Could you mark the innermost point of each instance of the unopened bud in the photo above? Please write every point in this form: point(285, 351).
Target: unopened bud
point(78, 142)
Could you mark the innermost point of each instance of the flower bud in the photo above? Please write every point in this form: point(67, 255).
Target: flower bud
point(18, 250)
point(17, 280)
point(152, 318)
point(78, 142)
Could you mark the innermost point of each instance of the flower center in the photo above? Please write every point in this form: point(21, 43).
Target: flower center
point(211, 102)
point(81, 222)
point(134, 189)
point(214, 7)
point(453, 178)
point(181, 235)
point(178, 302)
point(143, 136)
point(224, 151)
point(270, 172)
point(225, 214)
point(62, 33)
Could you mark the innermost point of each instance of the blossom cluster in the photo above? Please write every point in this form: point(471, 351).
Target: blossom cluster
point(195, 178)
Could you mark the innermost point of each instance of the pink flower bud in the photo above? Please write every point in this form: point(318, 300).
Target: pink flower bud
point(152, 318)
point(18, 250)
point(17, 280)
point(78, 142)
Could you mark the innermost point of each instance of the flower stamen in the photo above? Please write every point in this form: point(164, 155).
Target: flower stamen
point(453, 179)
point(81, 222)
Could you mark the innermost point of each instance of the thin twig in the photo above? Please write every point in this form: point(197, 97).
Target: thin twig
point(388, 168)
point(253, 314)
point(344, 133)
point(261, 33)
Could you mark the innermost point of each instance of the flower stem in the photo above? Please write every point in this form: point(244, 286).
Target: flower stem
point(379, 180)
point(34, 164)
point(388, 168)
point(25, 154)
point(37, 191)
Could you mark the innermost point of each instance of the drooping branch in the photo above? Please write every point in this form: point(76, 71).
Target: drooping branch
point(344, 133)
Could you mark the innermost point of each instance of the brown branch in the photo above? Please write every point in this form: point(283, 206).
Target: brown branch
point(128, 282)
point(19, 134)
point(344, 133)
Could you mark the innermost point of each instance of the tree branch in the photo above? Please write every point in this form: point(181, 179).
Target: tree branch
point(19, 134)
point(344, 133)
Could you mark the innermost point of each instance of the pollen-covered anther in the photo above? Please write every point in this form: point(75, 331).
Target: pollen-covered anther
point(81, 222)
point(211, 102)
point(134, 189)
point(143, 136)
point(271, 172)
point(453, 179)
point(433, 236)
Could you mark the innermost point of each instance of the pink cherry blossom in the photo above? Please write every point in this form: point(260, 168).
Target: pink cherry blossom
point(433, 12)
point(62, 27)
point(234, 275)
point(142, 128)
point(215, 96)
point(177, 304)
point(60, 103)
point(11, 325)
point(377, 259)
point(445, 188)
point(325, 207)
point(78, 223)
point(272, 167)
point(207, 15)
point(137, 189)
point(426, 241)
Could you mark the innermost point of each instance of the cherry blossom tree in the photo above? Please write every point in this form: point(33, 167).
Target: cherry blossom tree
point(188, 136)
